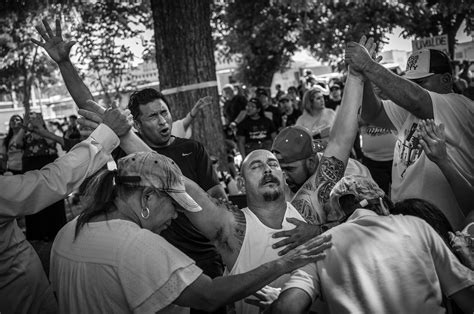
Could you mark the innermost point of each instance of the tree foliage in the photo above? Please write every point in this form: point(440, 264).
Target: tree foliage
point(431, 18)
point(100, 28)
point(265, 35)
point(329, 26)
point(22, 64)
point(101, 33)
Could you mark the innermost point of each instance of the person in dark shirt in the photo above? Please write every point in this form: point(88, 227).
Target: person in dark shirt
point(289, 113)
point(153, 121)
point(335, 95)
point(270, 111)
point(234, 103)
point(72, 132)
point(256, 131)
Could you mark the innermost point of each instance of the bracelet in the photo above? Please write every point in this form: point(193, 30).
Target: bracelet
point(191, 114)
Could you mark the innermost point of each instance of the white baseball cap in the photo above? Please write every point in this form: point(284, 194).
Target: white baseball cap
point(426, 62)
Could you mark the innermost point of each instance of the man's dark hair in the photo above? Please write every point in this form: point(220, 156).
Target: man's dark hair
point(258, 104)
point(426, 211)
point(73, 117)
point(144, 97)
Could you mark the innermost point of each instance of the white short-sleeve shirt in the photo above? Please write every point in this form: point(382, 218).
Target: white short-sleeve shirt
point(413, 174)
point(383, 264)
point(116, 267)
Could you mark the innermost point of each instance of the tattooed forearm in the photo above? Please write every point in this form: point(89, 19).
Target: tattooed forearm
point(330, 171)
point(236, 231)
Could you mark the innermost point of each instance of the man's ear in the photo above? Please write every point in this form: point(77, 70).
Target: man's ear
point(312, 163)
point(137, 125)
point(446, 78)
point(241, 184)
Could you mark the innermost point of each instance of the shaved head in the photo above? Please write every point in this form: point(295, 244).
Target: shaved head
point(255, 155)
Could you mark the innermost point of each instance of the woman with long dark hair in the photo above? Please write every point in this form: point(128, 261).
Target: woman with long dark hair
point(13, 143)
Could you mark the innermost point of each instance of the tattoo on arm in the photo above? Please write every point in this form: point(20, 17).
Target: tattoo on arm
point(305, 209)
point(330, 171)
point(237, 230)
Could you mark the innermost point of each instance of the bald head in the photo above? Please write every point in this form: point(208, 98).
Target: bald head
point(259, 154)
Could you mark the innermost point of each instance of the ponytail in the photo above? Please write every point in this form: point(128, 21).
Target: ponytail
point(99, 194)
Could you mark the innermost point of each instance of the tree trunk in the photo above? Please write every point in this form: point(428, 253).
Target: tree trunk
point(27, 92)
point(185, 55)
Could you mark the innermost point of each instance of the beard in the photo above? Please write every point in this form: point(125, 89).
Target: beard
point(271, 196)
point(294, 187)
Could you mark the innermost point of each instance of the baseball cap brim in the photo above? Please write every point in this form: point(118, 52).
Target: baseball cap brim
point(414, 75)
point(185, 201)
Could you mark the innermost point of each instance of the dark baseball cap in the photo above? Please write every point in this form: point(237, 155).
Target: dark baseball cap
point(426, 62)
point(293, 143)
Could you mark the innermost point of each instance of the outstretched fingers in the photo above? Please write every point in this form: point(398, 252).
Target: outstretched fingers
point(36, 42)
point(317, 243)
point(42, 32)
point(49, 31)
point(429, 129)
point(58, 29)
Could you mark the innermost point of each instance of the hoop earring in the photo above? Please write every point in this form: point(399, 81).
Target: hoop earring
point(145, 213)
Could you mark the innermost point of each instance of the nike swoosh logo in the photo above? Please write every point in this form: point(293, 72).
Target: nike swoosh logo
point(186, 154)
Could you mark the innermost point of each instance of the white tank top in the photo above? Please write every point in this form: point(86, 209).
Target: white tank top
point(257, 250)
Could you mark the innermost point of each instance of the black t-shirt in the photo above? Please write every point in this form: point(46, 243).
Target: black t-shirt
point(291, 118)
point(233, 107)
point(273, 113)
point(72, 133)
point(256, 130)
point(194, 162)
point(332, 104)
point(257, 133)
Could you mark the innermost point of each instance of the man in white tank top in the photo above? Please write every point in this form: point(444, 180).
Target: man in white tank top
point(245, 238)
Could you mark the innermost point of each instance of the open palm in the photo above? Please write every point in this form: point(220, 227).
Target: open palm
point(54, 43)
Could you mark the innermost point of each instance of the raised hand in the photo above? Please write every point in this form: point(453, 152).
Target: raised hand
point(464, 247)
point(311, 251)
point(360, 55)
point(36, 124)
point(200, 104)
point(294, 237)
point(433, 141)
point(54, 43)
